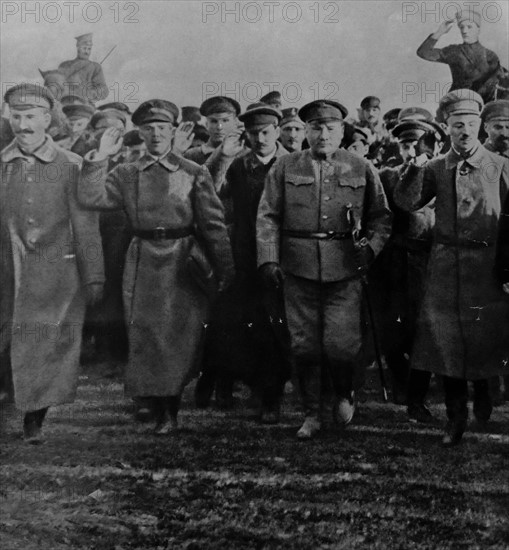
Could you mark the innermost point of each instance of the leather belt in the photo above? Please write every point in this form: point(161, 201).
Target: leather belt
point(163, 233)
point(325, 236)
point(467, 243)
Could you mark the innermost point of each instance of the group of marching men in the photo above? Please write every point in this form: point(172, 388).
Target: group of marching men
point(245, 249)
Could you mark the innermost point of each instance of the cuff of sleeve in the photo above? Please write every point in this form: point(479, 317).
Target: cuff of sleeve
point(91, 157)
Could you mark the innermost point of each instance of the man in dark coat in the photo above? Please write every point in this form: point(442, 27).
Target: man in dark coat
point(398, 274)
point(179, 234)
point(471, 64)
point(51, 261)
point(495, 116)
point(225, 143)
point(253, 318)
point(461, 332)
point(311, 202)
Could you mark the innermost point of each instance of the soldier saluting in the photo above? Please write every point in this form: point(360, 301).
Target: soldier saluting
point(471, 64)
point(304, 239)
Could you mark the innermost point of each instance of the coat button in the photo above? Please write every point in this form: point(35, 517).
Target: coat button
point(325, 217)
point(30, 221)
point(327, 198)
point(30, 201)
point(30, 179)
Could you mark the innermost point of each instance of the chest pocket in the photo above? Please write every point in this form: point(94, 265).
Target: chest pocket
point(351, 190)
point(299, 190)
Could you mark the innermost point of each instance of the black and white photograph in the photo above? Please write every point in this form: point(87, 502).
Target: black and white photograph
point(254, 275)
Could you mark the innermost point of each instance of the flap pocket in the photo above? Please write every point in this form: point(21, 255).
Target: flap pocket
point(352, 182)
point(295, 179)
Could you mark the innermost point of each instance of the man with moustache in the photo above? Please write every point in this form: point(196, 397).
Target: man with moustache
point(259, 343)
point(51, 262)
point(306, 246)
point(292, 130)
point(177, 222)
point(461, 333)
point(84, 77)
point(495, 116)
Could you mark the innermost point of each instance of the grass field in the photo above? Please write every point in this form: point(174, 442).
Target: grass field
point(102, 481)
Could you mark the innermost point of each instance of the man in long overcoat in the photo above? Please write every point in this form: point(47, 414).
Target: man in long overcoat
point(462, 334)
point(311, 202)
point(175, 217)
point(51, 261)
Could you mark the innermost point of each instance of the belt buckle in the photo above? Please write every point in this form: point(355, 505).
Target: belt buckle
point(159, 233)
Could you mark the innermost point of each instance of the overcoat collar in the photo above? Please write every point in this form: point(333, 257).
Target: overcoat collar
point(170, 161)
point(47, 152)
point(452, 158)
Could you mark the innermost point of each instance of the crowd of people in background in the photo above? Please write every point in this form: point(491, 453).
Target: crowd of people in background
point(258, 246)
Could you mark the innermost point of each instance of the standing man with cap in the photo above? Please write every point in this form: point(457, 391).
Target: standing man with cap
point(177, 222)
point(471, 64)
point(51, 261)
point(224, 144)
point(259, 343)
point(398, 274)
point(460, 334)
point(371, 119)
point(221, 120)
point(495, 116)
point(292, 130)
point(85, 77)
point(307, 245)
point(78, 115)
point(273, 99)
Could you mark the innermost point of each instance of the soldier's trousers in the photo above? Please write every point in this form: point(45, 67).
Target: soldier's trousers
point(324, 320)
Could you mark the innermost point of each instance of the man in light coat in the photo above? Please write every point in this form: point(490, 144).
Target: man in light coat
point(461, 334)
point(51, 261)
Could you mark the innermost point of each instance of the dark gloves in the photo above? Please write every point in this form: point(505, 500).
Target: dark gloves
point(364, 254)
point(272, 275)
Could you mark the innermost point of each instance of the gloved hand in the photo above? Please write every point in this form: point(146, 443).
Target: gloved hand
point(364, 254)
point(94, 293)
point(272, 275)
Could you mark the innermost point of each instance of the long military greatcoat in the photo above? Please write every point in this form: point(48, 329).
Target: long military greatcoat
point(463, 330)
point(50, 249)
point(166, 310)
